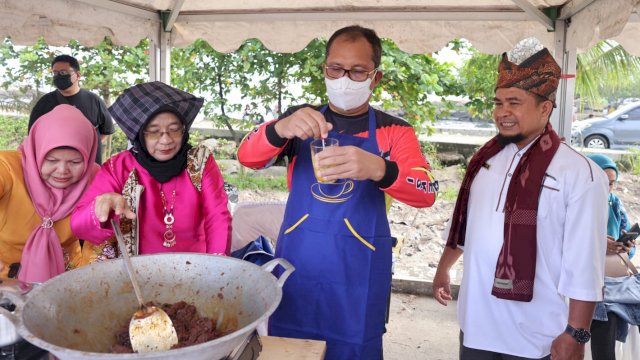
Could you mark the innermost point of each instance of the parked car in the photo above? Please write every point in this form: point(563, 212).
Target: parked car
point(629, 100)
point(617, 130)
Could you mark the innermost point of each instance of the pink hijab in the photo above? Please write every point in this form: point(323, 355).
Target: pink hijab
point(65, 125)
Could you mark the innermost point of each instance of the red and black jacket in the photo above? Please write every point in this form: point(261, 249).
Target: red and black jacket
point(407, 179)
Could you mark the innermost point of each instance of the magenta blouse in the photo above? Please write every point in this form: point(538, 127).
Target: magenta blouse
point(202, 219)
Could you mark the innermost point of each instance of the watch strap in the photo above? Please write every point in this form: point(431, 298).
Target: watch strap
point(582, 336)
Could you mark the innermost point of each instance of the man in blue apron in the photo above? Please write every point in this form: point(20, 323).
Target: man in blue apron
point(335, 231)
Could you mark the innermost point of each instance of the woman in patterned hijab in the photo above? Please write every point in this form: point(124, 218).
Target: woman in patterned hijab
point(167, 195)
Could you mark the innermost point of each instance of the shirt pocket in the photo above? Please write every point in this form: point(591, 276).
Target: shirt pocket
point(549, 194)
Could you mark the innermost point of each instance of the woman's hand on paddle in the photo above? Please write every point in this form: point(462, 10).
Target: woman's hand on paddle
point(115, 202)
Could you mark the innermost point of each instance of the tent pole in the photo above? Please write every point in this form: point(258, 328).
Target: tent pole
point(154, 61)
point(165, 57)
point(565, 54)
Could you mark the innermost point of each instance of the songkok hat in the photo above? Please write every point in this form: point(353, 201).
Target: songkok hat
point(137, 104)
point(530, 66)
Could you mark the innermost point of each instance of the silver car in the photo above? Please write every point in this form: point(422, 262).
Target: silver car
point(618, 130)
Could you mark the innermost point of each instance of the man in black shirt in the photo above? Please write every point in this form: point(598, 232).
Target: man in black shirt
point(66, 76)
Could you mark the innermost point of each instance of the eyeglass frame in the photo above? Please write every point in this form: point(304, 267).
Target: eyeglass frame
point(155, 137)
point(347, 72)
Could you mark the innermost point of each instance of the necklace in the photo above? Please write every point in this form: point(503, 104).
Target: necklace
point(169, 234)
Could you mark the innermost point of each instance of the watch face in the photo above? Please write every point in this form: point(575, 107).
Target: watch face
point(582, 336)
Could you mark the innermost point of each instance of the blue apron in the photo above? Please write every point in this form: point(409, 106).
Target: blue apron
point(337, 237)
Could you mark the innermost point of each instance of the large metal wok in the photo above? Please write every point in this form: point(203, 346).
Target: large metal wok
point(76, 314)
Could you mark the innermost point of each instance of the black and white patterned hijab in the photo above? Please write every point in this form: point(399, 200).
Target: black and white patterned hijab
point(138, 105)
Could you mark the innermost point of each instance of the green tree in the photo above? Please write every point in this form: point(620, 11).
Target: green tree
point(27, 77)
point(198, 68)
point(408, 82)
point(274, 75)
point(606, 69)
point(478, 78)
point(107, 68)
point(110, 69)
point(630, 90)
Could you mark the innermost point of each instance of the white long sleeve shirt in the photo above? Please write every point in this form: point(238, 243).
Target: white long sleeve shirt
point(571, 246)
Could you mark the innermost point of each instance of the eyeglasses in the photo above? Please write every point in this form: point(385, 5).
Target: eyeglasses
point(175, 134)
point(63, 72)
point(336, 72)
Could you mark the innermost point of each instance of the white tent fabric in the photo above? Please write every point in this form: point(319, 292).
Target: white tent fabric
point(604, 19)
point(417, 26)
point(59, 21)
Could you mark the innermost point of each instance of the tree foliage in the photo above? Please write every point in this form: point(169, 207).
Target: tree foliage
point(604, 70)
point(200, 69)
point(408, 87)
point(110, 69)
point(478, 78)
point(607, 70)
point(14, 129)
point(269, 78)
point(276, 75)
point(408, 82)
point(106, 68)
point(26, 77)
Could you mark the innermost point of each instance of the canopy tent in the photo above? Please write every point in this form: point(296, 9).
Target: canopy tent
point(416, 26)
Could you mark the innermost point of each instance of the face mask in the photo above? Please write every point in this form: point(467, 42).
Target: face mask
point(62, 82)
point(347, 94)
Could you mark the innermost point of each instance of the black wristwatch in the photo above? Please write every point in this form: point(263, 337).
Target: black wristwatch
point(582, 336)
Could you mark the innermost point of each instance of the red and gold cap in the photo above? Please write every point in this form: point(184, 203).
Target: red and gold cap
point(538, 74)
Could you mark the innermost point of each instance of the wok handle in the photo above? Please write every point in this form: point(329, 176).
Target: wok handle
point(15, 286)
point(288, 269)
point(11, 298)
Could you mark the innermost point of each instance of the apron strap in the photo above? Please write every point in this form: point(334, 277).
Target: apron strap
point(371, 117)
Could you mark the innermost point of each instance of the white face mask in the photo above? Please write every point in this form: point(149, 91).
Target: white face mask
point(347, 94)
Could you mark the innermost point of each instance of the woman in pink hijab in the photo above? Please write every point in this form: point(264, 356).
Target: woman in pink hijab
point(40, 184)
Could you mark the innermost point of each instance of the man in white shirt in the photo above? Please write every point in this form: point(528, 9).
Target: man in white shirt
point(530, 219)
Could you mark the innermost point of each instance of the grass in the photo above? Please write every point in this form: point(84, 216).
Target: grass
point(13, 130)
point(431, 153)
point(449, 194)
point(633, 162)
point(279, 183)
point(253, 182)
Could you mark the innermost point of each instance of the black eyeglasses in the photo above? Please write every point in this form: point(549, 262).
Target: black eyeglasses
point(336, 72)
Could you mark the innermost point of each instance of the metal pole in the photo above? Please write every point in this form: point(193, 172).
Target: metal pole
point(165, 57)
point(566, 55)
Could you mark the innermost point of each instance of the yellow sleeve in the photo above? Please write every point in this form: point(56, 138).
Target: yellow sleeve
point(5, 177)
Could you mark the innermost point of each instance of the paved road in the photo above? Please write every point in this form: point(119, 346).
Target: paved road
point(421, 329)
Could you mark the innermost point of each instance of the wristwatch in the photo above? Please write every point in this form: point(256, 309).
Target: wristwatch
point(582, 336)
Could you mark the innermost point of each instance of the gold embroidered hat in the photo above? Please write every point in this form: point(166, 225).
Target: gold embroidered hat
point(531, 68)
